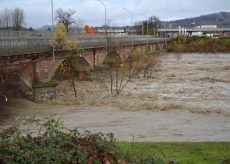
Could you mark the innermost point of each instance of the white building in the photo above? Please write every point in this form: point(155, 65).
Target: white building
point(208, 26)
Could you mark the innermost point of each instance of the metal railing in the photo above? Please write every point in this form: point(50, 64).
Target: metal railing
point(20, 42)
point(5, 34)
point(9, 47)
point(195, 29)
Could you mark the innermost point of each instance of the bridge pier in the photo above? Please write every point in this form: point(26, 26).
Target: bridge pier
point(43, 88)
point(94, 59)
point(44, 92)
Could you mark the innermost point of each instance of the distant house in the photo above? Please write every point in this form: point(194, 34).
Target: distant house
point(113, 31)
point(197, 34)
point(90, 30)
point(227, 34)
point(208, 26)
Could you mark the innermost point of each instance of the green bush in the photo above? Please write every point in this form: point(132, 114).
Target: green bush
point(55, 144)
point(200, 44)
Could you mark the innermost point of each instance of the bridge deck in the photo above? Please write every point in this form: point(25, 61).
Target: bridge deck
point(195, 30)
point(16, 43)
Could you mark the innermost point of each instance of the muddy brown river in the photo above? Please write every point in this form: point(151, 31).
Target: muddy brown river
point(187, 99)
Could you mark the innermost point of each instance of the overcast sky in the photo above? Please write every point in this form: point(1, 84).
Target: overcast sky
point(38, 12)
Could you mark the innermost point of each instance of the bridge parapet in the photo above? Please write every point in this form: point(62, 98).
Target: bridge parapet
point(195, 29)
point(10, 47)
point(6, 34)
point(21, 43)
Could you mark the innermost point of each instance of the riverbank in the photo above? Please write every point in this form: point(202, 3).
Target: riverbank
point(184, 44)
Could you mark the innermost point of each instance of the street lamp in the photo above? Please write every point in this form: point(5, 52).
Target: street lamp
point(105, 16)
point(147, 22)
point(131, 14)
point(52, 9)
point(106, 39)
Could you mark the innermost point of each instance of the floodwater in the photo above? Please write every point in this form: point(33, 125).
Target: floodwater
point(187, 99)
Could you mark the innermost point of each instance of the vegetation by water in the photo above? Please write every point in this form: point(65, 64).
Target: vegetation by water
point(53, 143)
point(200, 44)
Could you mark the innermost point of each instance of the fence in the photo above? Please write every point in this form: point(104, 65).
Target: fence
point(21, 42)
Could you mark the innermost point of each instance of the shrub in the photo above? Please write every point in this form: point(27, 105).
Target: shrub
point(55, 144)
point(200, 44)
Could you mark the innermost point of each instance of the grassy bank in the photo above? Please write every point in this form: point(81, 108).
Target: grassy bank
point(179, 152)
point(184, 44)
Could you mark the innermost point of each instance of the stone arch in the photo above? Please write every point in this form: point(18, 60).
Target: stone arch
point(25, 76)
point(82, 65)
point(54, 68)
point(113, 56)
point(133, 54)
point(148, 50)
point(15, 83)
point(26, 80)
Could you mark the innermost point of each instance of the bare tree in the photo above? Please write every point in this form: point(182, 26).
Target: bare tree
point(12, 19)
point(18, 18)
point(79, 23)
point(65, 17)
point(6, 19)
point(117, 77)
point(77, 26)
point(154, 23)
point(119, 72)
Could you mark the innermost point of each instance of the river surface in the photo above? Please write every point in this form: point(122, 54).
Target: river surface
point(187, 99)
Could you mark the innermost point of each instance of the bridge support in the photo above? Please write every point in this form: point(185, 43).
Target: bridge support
point(44, 92)
point(94, 58)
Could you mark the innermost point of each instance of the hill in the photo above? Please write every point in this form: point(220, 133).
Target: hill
point(221, 19)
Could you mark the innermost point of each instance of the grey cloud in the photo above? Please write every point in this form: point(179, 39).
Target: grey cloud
point(38, 12)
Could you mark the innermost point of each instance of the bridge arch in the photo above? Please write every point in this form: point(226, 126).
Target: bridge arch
point(113, 56)
point(135, 55)
point(15, 82)
point(81, 65)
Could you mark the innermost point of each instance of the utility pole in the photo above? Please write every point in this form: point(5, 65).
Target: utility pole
point(105, 19)
point(52, 9)
point(142, 28)
point(147, 28)
point(131, 14)
point(106, 35)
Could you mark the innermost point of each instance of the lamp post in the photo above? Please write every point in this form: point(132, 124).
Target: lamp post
point(52, 9)
point(106, 38)
point(147, 23)
point(131, 14)
point(142, 28)
point(147, 33)
point(105, 17)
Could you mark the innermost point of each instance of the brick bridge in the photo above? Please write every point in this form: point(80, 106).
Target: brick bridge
point(27, 57)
